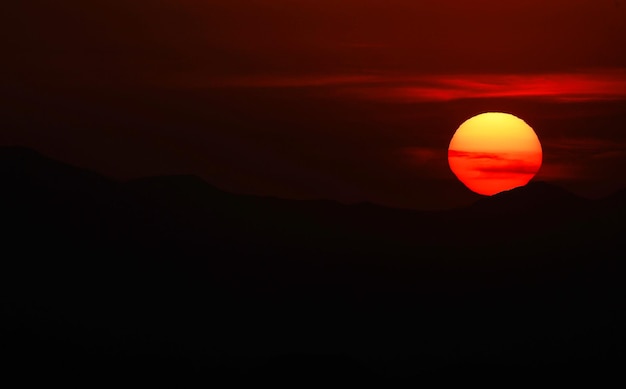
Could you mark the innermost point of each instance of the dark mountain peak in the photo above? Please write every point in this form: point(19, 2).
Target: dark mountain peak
point(18, 152)
point(186, 188)
point(174, 183)
point(539, 190)
point(535, 196)
point(26, 167)
point(618, 197)
point(180, 181)
point(18, 159)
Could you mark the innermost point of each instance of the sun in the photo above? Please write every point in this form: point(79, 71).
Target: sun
point(493, 152)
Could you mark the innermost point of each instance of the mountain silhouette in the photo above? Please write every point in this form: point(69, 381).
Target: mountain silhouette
point(170, 277)
point(536, 196)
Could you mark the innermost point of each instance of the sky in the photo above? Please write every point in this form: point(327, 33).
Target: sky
point(347, 100)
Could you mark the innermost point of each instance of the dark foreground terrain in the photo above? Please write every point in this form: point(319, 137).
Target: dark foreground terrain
point(168, 279)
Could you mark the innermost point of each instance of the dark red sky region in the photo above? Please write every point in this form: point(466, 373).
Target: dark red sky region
point(349, 100)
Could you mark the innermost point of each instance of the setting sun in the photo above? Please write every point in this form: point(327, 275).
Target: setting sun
point(493, 152)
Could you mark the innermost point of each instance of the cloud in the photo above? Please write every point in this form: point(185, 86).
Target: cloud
point(495, 163)
point(584, 146)
point(582, 158)
point(424, 154)
point(598, 85)
point(560, 87)
point(477, 155)
point(510, 167)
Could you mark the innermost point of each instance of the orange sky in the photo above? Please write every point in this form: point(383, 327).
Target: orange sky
point(349, 100)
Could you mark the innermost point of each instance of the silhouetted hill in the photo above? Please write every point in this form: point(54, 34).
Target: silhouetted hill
point(537, 196)
point(169, 277)
point(25, 167)
point(616, 200)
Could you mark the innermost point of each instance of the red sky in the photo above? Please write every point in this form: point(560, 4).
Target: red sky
point(348, 100)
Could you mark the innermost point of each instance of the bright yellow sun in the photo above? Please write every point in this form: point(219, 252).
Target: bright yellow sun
point(493, 152)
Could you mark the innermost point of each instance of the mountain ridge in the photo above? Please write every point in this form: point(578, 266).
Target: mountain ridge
point(194, 281)
point(189, 203)
point(29, 161)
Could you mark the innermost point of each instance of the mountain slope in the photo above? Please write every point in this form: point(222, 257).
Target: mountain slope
point(190, 280)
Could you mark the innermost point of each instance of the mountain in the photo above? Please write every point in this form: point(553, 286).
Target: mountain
point(171, 278)
point(536, 196)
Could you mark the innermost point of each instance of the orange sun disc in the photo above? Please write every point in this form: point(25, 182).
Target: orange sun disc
point(493, 152)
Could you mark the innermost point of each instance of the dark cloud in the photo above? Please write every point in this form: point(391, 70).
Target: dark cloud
point(495, 163)
point(596, 85)
point(510, 167)
point(473, 155)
